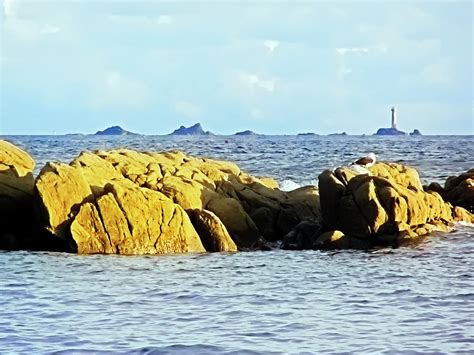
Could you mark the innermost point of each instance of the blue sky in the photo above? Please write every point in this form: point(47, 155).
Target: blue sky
point(272, 67)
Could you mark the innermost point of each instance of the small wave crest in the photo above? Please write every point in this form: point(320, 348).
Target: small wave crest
point(290, 185)
point(466, 224)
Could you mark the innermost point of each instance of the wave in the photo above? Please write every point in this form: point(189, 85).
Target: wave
point(290, 185)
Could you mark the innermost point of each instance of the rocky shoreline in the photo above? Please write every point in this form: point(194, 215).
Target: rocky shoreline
point(128, 202)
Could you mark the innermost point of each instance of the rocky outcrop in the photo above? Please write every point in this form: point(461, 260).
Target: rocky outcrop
point(342, 134)
point(127, 219)
point(114, 131)
point(127, 202)
point(246, 133)
point(212, 231)
point(19, 223)
point(194, 130)
point(384, 207)
point(16, 194)
point(416, 132)
point(458, 190)
point(389, 132)
point(303, 236)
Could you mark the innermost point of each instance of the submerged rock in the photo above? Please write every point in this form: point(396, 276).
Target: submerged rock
point(303, 236)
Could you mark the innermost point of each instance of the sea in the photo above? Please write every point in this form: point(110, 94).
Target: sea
point(412, 299)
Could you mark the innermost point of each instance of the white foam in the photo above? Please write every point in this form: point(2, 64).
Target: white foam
point(289, 185)
point(466, 224)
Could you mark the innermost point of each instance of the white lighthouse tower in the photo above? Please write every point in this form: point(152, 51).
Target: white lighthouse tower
point(394, 118)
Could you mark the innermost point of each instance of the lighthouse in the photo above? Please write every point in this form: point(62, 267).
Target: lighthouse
point(394, 118)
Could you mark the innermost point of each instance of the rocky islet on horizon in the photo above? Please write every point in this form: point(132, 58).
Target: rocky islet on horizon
point(194, 130)
point(127, 202)
point(246, 133)
point(197, 130)
point(115, 131)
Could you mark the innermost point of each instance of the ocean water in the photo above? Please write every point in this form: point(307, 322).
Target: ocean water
point(418, 298)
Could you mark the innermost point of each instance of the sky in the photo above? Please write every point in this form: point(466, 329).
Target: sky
point(274, 67)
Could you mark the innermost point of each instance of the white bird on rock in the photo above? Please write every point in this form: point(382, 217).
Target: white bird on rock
point(367, 161)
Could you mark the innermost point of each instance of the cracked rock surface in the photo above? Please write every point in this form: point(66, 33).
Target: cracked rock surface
point(388, 202)
point(19, 223)
point(458, 190)
point(127, 202)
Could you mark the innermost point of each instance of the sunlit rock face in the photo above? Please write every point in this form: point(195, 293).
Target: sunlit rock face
point(127, 202)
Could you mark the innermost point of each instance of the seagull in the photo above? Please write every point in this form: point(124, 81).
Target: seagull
point(367, 161)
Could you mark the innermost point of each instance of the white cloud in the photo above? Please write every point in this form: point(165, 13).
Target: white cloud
point(9, 8)
point(164, 20)
point(187, 109)
point(382, 47)
point(253, 81)
point(437, 74)
point(256, 113)
point(271, 45)
point(24, 28)
point(344, 50)
point(141, 21)
point(49, 29)
point(118, 90)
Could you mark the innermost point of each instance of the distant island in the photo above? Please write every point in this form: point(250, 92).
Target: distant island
point(308, 134)
point(393, 131)
point(195, 130)
point(246, 133)
point(390, 132)
point(114, 131)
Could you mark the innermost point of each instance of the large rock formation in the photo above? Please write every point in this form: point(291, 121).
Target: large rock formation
point(458, 190)
point(384, 207)
point(19, 225)
point(16, 195)
point(127, 202)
